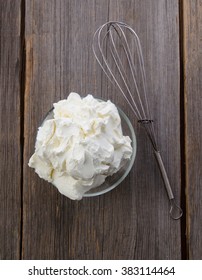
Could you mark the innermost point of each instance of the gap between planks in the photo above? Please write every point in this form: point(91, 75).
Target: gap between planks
point(22, 105)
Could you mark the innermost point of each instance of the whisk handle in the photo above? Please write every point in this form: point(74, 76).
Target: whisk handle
point(164, 174)
point(175, 211)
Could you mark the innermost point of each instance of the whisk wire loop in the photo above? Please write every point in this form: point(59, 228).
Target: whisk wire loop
point(131, 65)
point(112, 78)
point(123, 75)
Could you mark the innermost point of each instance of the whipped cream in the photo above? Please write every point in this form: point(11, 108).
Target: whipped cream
point(81, 145)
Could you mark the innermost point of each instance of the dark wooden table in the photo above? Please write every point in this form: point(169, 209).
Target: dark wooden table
point(45, 53)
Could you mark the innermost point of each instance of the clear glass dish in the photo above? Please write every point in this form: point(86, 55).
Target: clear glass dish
point(113, 181)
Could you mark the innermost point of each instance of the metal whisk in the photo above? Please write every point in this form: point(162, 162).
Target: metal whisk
point(118, 51)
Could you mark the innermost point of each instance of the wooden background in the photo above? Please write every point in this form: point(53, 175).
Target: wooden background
point(45, 53)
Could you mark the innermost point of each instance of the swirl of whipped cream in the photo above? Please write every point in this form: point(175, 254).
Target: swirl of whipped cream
point(81, 145)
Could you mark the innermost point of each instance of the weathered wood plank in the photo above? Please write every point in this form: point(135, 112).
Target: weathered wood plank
point(59, 60)
point(193, 102)
point(132, 221)
point(151, 233)
point(10, 151)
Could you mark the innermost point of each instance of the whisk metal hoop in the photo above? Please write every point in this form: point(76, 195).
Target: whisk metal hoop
point(111, 48)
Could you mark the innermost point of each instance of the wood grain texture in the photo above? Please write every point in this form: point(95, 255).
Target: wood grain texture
point(155, 235)
point(10, 151)
point(59, 60)
point(193, 103)
point(132, 221)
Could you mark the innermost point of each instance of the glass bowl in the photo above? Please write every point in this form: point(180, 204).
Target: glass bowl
point(114, 180)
